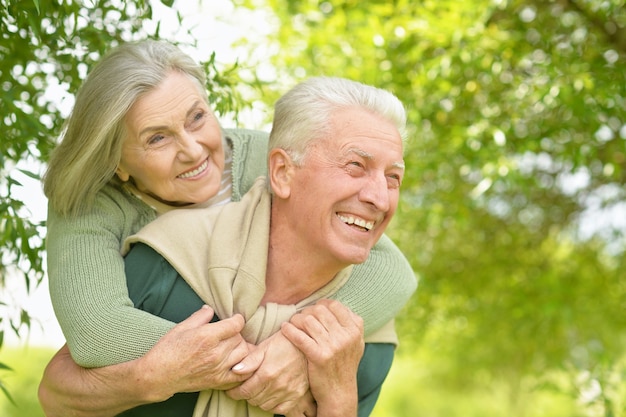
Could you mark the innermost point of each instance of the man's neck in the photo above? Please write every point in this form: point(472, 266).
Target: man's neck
point(293, 273)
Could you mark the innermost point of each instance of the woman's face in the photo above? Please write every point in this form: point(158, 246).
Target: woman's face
point(173, 150)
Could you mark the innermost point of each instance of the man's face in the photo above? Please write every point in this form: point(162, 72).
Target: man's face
point(347, 189)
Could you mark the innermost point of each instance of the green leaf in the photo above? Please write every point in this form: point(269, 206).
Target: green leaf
point(6, 393)
point(30, 174)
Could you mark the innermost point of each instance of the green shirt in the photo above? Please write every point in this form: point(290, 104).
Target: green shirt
point(156, 287)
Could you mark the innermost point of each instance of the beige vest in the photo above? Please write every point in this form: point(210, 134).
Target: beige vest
point(222, 254)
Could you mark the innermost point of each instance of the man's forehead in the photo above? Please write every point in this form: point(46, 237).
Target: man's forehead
point(366, 154)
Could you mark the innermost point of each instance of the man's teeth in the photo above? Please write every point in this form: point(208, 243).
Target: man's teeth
point(195, 171)
point(359, 222)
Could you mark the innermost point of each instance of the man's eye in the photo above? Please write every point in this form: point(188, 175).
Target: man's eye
point(394, 181)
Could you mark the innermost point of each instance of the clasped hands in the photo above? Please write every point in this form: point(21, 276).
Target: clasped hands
point(313, 356)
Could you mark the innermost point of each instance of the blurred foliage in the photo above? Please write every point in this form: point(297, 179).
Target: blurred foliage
point(398, 397)
point(46, 50)
point(513, 205)
point(44, 45)
point(28, 364)
point(514, 201)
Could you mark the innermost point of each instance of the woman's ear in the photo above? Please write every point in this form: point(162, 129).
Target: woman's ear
point(122, 174)
point(280, 172)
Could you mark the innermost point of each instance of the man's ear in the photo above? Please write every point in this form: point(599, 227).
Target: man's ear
point(280, 172)
point(122, 174)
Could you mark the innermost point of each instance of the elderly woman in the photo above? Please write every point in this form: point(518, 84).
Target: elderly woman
point(123, 161)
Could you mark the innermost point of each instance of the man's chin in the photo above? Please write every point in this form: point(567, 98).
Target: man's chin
point(358, 256)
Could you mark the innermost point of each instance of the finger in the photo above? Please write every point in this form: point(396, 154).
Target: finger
point(246, 391)
point(271, 404)
point(299, 338)
point(318, 322)
point(236, 355)
point(197, 319)
point(344, 314)
point(335, 316)
point(314, 314)
point(304, 407)
point(227, 328)
point(250, 363)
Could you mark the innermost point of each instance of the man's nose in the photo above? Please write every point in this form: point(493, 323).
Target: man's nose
point(376, 192)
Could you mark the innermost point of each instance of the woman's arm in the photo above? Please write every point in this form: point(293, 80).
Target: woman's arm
point(86, 271)
point(379, 287)
point(194, 355)
point(88, 283)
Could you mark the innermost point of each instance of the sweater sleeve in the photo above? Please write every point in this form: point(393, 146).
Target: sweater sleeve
point(379, 287)
point(88, 285)
point(249, 158)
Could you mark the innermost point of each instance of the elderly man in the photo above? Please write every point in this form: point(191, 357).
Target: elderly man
point(335, 167)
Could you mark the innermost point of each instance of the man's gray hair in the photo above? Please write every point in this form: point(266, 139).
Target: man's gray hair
point(303, 114)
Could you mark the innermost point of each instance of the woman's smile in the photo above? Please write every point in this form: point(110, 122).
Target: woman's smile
point(173, 150)
point(196, 171)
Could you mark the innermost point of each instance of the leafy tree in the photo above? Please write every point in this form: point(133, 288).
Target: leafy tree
point(516, 112)
point(43, 44)
point(53, 44)
point(518, 117)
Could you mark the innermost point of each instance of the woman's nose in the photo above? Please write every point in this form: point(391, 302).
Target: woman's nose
point(189, 148)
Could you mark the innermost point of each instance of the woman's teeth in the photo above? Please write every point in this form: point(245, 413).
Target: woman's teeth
point(196, 171)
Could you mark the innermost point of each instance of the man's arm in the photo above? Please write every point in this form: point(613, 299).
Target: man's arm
point(194, 355)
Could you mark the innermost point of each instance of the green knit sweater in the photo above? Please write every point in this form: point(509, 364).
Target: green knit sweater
point(88, 285)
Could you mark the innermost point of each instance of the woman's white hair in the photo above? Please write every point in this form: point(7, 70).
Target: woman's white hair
point(91, 147)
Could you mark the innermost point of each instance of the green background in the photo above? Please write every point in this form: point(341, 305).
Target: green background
point(513, 206)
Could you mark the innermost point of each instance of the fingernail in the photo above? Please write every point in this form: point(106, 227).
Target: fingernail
point(238, 367)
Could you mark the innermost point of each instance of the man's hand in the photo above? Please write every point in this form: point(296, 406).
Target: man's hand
point(280, 383)
point(331, 337)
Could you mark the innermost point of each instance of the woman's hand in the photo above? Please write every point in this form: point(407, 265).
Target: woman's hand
point(280, 383)
point(197, 355)
point(194, 355)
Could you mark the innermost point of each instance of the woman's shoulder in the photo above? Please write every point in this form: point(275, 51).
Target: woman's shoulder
point(113, 209)
point(245, 136)
point(249, 158)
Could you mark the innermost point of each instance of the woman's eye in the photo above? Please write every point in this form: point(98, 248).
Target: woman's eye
point(155, 139)
point(198, 116)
